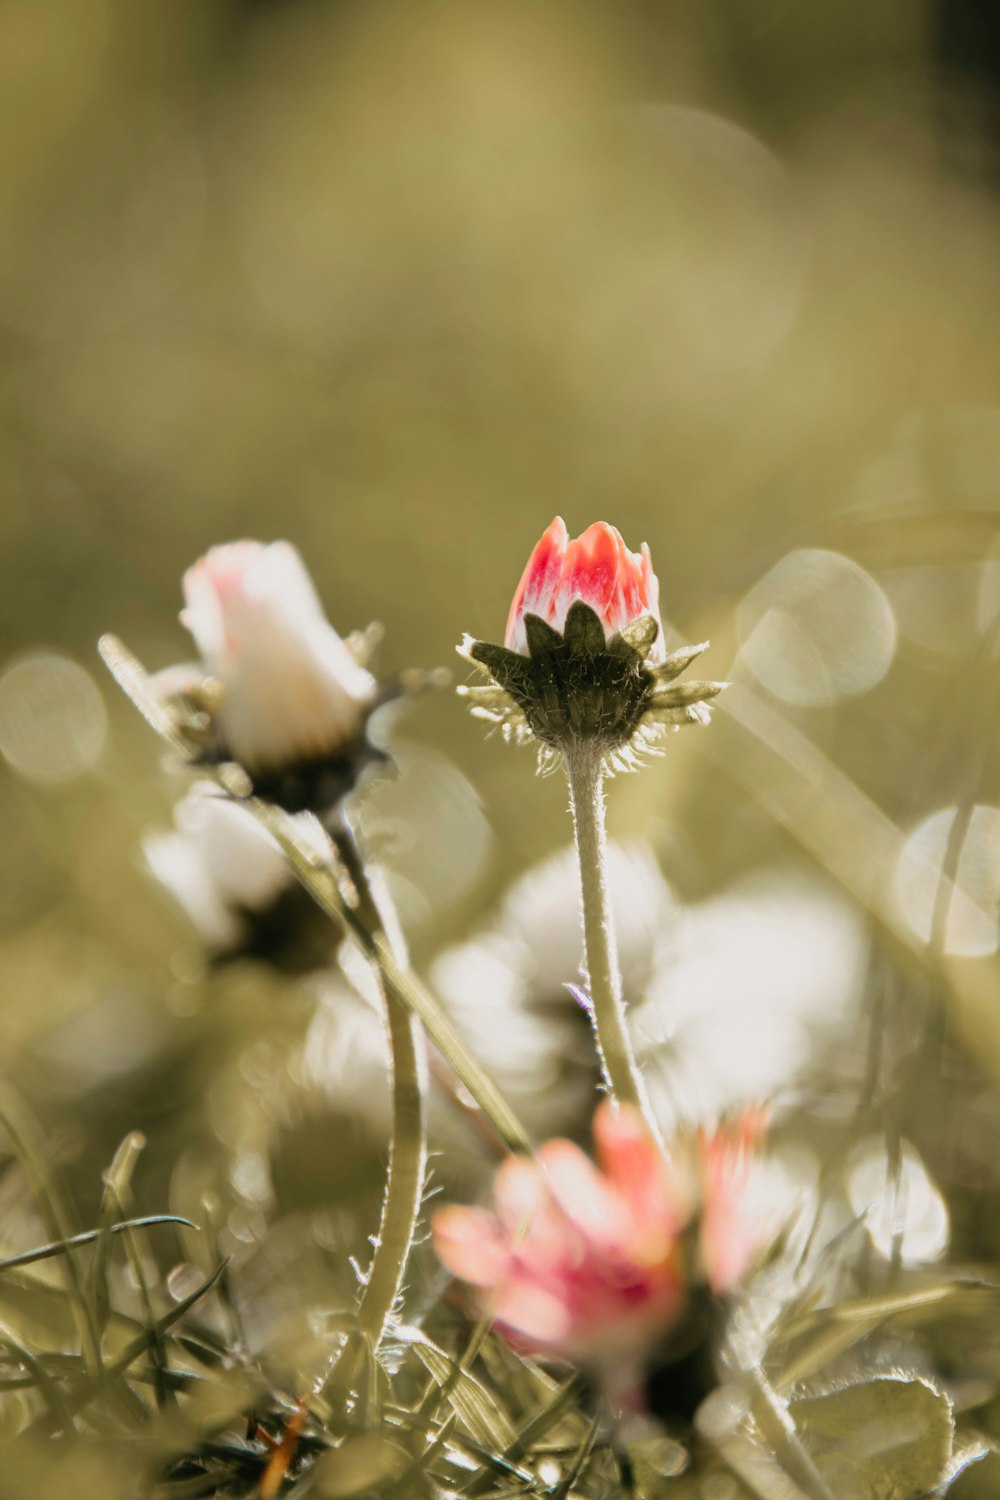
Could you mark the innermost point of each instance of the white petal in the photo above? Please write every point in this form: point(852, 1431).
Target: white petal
point(292, 689)
point(218, 865)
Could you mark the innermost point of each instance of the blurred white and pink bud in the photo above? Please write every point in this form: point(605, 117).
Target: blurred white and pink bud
point(596, 1263)
point(514, 979)
point(289, 693)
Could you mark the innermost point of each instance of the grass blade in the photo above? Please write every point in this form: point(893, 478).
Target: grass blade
point(87, 1237)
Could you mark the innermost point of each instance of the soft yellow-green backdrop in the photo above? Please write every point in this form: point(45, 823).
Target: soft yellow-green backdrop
point(401, 281)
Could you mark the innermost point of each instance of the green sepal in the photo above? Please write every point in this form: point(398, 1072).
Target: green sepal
point(636, 638)
point(687, 692)
point(542, 638)
point(578, 686)
point(508, 668)
point(678, 662)
point(663, 713)
point(583, 632)
point(486, 694)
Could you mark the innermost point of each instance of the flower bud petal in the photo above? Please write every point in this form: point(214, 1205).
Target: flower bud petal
point(595, 568)
point(292, 692)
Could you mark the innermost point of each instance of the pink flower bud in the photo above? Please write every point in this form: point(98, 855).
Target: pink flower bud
point(584, 661)
point(292, 693)
point(596, 568)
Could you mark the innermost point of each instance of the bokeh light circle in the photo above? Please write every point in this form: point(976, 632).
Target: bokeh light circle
point(974, 898)
point(817, 629)
point(52, 718)
point(900, 1205)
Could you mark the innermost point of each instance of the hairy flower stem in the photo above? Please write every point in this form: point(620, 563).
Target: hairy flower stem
point(625, 1084)
point(407, 1162)
point(408, 1145)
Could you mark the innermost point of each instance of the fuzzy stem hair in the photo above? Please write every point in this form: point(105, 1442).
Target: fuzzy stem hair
point(585, 771)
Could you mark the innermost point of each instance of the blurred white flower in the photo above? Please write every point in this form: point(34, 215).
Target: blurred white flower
point(530, 1052)
point(730, 999)
point(345, 1054)
point(292, 691)
point(507, 989)
point(541, 917)
point(220, 866)
point(751, 982)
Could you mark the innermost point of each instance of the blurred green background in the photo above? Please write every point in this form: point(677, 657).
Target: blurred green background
point(399, 282)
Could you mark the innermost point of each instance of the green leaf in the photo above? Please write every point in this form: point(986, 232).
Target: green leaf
point(41, 1378)
point(567, 1399)
point(202, 1350)
point(923, 1299)
point(581, 1458)
point(583, 632)
point(158, 1353)
point(542, 639)
point(527, 1385)
point(442, 1032)
point(368, 1464)
point(60, 1247)
point(116, 1181)
point(977, 1480)
point(661, 713)
point(113, 1372)
point(47, 1192)
point(818, 1337)
point(471, 1402)
point(884, 1437)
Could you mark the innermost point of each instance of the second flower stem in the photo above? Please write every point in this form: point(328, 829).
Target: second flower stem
point(398, 980)
point(585, 772)
point(407, 1162)
point(408, 1144)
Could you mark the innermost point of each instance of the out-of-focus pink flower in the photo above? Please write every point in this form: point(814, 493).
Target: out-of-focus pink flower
point(596, 567)
point(729, 1228)
point(595, 1262)
point(291, 689)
